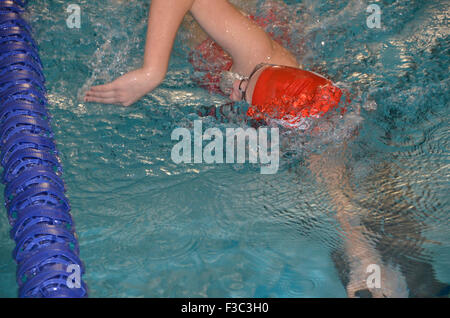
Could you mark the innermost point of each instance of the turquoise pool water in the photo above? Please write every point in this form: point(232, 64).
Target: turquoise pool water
point(151, 228)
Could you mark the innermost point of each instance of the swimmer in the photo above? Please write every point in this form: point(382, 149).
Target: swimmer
point(246, 63)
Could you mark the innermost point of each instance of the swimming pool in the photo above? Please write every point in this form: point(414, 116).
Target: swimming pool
point(148, 227)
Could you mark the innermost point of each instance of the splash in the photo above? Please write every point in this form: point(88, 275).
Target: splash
point(118, 43)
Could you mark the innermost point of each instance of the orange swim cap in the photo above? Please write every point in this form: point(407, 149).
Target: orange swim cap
point(289, 93)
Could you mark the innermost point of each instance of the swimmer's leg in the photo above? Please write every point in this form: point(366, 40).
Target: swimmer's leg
point(329, 169)
point(400, 232)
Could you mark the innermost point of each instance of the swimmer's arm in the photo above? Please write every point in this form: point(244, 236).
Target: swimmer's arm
point(241, 38)
point(245, 41)
point(165, 18)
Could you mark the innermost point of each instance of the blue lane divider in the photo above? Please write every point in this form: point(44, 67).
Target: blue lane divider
point(46, 244)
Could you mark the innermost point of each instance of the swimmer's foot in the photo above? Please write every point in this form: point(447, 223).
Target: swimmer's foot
point(357, 285)
point(354, 273)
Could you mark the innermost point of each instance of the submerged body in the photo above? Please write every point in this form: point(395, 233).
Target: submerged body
point(277, 90)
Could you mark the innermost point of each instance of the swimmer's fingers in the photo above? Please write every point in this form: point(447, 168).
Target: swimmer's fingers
point(125, 90)
point(106, 94)
point(103, 88)
point(101, 94)
point(103, 100)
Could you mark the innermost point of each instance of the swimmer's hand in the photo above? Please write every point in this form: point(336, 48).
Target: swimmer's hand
point(125, 90)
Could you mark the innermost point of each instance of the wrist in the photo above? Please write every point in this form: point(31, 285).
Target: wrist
point(154, 74)
point(148, 78)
